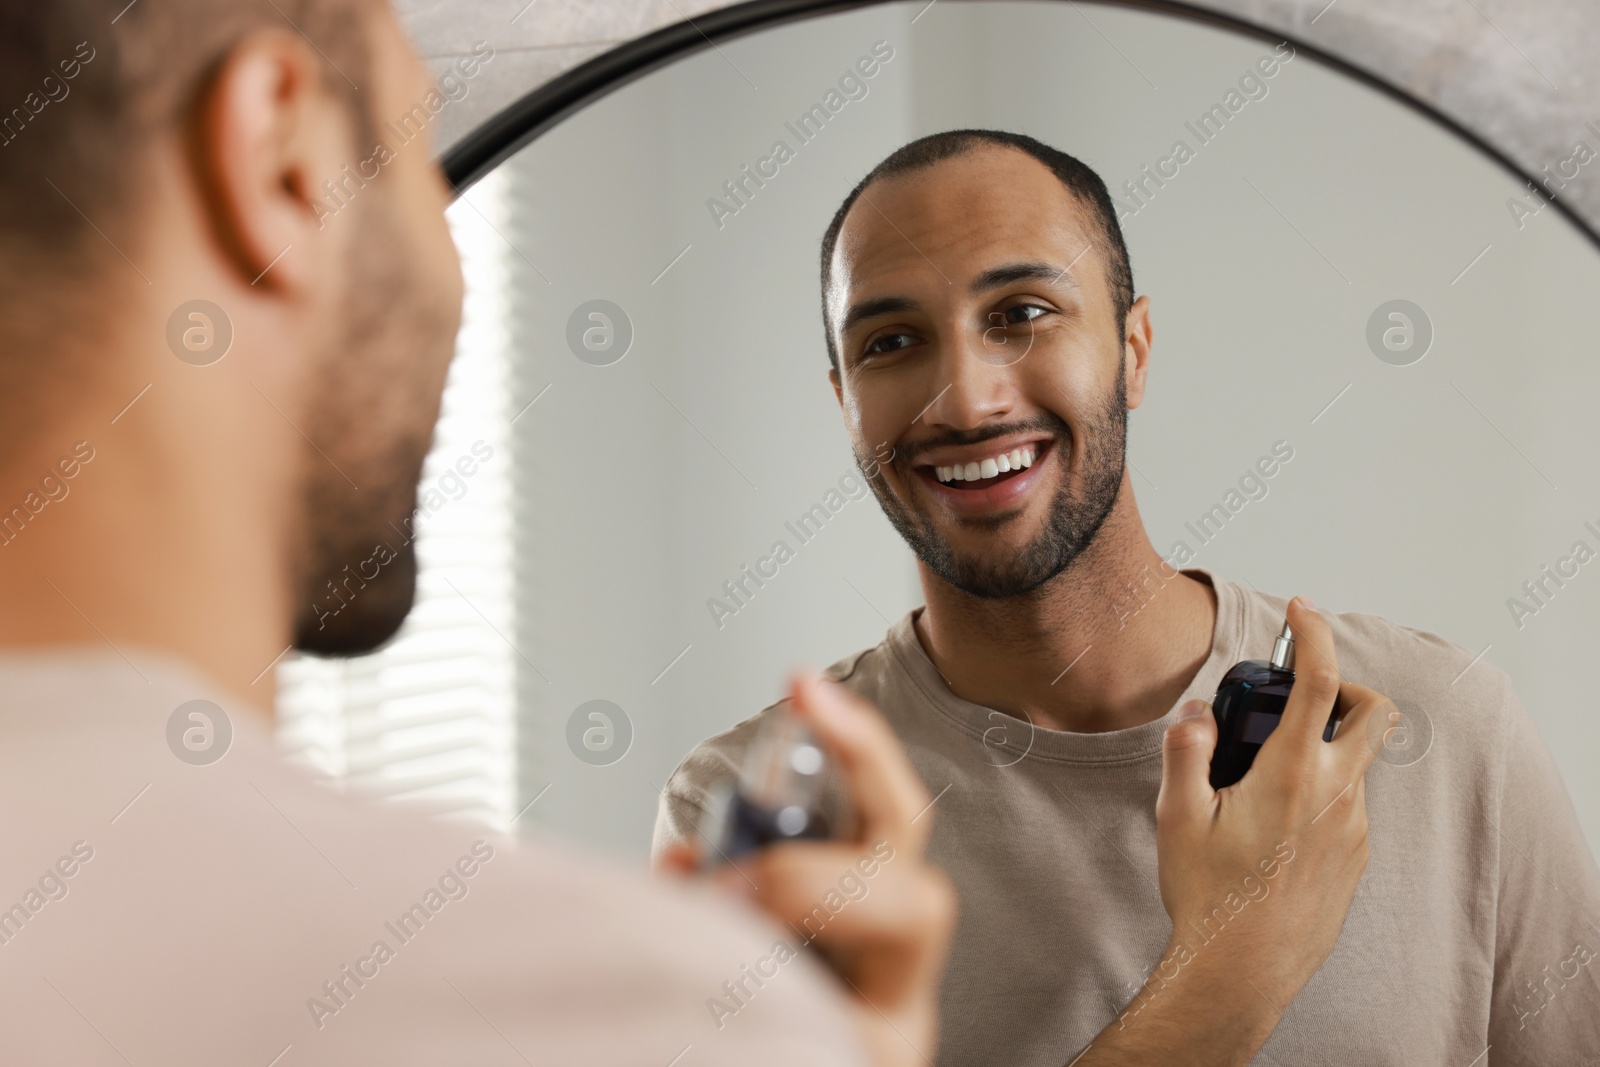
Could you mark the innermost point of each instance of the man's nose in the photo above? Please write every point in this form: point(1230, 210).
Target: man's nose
point(974, 385)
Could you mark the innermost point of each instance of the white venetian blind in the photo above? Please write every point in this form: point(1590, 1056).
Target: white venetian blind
point(431, 715)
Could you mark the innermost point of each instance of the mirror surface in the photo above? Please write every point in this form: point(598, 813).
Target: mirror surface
point(651, 370)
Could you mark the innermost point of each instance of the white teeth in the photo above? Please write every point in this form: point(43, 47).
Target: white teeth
point(1015, 460)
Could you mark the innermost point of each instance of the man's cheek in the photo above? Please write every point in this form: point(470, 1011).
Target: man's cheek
point(879, 418)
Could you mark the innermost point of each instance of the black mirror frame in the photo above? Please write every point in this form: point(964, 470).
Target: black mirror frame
point(513, 127)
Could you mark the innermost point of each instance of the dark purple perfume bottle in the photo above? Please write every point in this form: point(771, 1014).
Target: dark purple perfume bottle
point(778, 795)
point(1250, 701)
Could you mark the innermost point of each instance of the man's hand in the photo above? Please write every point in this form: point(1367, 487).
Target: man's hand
point(1295, 825)
point(1257, 877)
point(888, 941)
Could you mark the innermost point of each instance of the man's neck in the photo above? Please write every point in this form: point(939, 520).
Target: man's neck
point(161, 538)
point(1109, 643)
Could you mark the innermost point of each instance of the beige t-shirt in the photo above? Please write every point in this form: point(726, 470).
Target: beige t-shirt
point(1472, 937)
point(158, 911)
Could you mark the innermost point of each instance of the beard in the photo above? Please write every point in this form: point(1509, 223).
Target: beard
point(369, 431)
point(1073, 520)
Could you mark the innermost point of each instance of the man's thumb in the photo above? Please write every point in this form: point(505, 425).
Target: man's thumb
point(1186, 762)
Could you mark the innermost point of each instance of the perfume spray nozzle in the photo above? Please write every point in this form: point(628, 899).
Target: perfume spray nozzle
point(1283, 649)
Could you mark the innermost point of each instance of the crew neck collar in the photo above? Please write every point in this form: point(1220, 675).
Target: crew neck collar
point(1107, 747)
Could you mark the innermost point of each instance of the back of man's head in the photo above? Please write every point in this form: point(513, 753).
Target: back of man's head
point(163, 156)
point(86, 84)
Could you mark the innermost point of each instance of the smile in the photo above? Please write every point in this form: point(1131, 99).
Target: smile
point(988, 469)
point(984, 479)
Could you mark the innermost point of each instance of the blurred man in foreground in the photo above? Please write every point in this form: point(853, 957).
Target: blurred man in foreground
point(217, 396)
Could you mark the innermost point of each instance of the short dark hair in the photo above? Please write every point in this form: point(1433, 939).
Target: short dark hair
point(1081, 181)
point(85, 84)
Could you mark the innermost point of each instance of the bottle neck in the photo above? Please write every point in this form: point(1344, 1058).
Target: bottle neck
point(1283, 650)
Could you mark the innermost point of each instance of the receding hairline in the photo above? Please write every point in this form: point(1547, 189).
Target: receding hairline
point(1082, 180)
point(921, 172)
point(1089, 223)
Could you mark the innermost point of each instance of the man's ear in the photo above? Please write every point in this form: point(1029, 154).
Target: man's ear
point(268, 132)
point(838, 391)
point(1138, 336)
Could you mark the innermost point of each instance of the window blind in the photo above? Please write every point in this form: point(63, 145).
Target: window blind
point(430, 716)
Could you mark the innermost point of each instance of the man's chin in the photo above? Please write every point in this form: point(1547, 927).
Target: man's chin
point(998, 531)
point(993, 558)
point(986, 540)
point(983, 580)
point(359, 616)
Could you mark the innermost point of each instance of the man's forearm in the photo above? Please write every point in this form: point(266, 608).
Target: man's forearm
point(1206, 1014)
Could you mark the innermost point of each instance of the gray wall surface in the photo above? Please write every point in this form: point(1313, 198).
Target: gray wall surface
point(1519, 73)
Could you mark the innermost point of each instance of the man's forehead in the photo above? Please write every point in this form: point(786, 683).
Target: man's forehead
point(960, 216)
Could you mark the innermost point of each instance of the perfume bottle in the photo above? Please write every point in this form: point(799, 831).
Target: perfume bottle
point(777, 796)
point(1250, 701)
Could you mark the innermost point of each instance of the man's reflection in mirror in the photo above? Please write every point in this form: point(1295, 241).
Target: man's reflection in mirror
point(981, 318)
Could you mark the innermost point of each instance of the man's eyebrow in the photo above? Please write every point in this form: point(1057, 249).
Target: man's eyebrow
point(996, 277)
point(883, 305)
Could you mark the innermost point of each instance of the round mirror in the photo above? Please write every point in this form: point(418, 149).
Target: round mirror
point(643, 508)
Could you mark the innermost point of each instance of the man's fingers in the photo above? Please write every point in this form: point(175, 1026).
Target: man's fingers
point(853, 896)
point(1316, 680)
point(887, 793)
point(680, 860)
point(1186, 763)
point(1367, 722)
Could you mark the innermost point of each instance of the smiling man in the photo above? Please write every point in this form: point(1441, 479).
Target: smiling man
point(980, 318)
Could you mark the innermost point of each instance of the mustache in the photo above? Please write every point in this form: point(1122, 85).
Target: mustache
point(909, 451)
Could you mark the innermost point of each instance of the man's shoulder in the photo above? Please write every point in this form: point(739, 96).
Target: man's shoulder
point(536, 936)
point(868, 672)
point(1394, 653)
point(1428, 676)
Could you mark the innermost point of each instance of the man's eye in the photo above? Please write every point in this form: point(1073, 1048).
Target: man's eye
point(889, 343)
point(1022, 313)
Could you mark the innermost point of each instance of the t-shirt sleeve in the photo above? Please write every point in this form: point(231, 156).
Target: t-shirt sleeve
point(680, 811)
point(678, 814)
point(1546, 1000)
point(713, 764)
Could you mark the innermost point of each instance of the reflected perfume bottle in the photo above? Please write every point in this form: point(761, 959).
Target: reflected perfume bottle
point(777, 797)
point(1249, 703)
